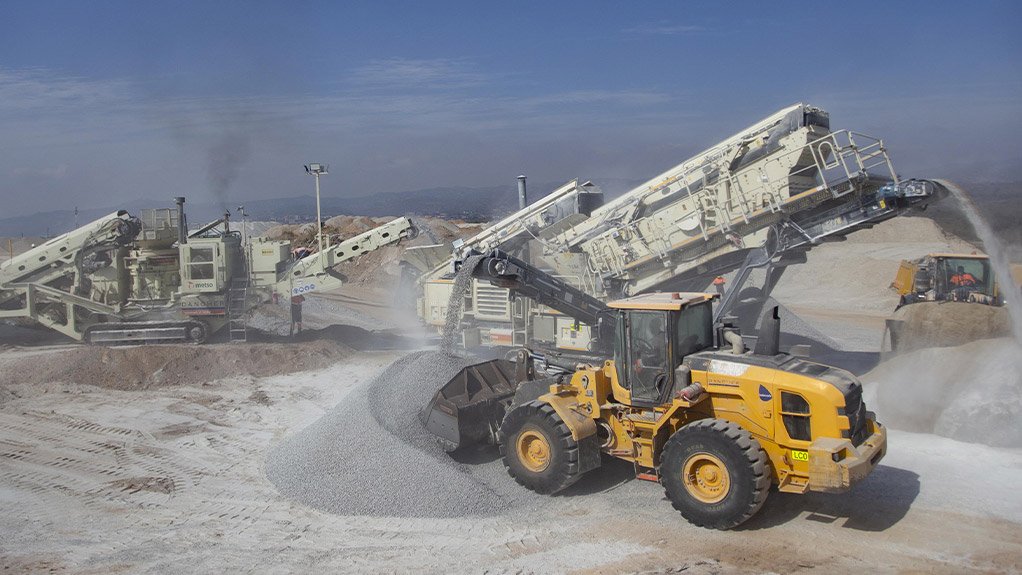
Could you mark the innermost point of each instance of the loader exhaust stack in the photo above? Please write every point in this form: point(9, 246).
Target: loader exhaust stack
point(182, 224)
point(769, 340)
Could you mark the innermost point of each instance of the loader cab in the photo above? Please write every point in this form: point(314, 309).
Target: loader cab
point(654, 334)
point(958, 274)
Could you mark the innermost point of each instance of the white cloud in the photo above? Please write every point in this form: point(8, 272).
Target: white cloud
point(56, 172)
point(434, 73)
point(663, 29)
point(37, 89)
point(120, 139)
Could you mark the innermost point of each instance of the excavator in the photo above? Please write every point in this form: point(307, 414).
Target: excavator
point(750, 206)
point(666, 388)
point(148, 279)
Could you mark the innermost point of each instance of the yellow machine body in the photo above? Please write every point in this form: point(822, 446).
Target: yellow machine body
point(945, 300)
point(595, 401)
point(929, 279)
point(829, 463)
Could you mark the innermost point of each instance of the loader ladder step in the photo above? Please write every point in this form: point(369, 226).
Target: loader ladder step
point(237, 327)
point(646, 474)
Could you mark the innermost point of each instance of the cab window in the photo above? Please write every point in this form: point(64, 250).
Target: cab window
point(968, 273)
point(693, 331)
point(647, 354)
point(201, 265)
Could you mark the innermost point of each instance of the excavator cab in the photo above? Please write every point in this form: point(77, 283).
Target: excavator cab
point(654, 334)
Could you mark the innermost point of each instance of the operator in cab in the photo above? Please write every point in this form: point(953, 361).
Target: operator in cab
point(962, 278)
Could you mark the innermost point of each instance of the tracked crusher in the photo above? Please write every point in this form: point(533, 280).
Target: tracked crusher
point(148, 279)
point(754, 202)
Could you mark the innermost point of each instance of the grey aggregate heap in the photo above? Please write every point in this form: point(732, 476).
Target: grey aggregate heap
point(370, 455)
point(794, 325)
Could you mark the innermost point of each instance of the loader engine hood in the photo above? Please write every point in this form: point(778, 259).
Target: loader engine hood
point(843, 380)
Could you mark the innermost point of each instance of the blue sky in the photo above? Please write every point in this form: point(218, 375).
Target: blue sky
point(105, 102)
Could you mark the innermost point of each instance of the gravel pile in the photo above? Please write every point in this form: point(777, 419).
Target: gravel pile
point(794, 329)
point(152, 366)
point(371, 456)
point(855, 275)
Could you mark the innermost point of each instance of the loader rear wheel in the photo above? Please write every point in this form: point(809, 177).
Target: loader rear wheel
point(715, 473)
point(538, 449)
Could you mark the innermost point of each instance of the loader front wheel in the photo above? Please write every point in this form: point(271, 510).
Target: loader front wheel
point(538, 449)
point(715, 473)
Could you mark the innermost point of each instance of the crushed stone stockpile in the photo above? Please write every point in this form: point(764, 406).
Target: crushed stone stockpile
point(856, 274)
point(370, 455)
point(970, 393)
point(936, 324)
point(144, 367)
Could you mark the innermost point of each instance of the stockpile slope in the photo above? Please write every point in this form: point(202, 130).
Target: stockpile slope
point(970, 393)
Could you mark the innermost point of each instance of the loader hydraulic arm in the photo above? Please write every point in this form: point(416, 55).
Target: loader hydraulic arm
point(506, 271)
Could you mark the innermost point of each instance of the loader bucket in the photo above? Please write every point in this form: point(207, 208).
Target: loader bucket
point(468, 410)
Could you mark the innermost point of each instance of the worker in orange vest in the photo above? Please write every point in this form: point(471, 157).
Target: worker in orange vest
point(718, 282)
point(963, 278)
point(296, 313)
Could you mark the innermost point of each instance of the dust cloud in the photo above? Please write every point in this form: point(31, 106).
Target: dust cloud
point(999, 261)
point(970, 393)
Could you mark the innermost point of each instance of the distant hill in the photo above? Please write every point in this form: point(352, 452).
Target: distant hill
point(473, 204)
point(1001, 203)
point(466, 203)
point(477, 204)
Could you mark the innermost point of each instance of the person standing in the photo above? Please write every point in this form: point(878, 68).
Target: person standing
point(296, 314)
point(718, 282)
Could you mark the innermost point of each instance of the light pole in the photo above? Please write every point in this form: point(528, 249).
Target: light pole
point(244, 237)
point(318, 170)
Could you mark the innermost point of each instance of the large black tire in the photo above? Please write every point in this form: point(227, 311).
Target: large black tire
point(538, 450)
point(715, 473)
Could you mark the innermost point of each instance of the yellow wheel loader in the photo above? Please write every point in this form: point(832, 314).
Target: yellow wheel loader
point(945, 300)
point(668, 390)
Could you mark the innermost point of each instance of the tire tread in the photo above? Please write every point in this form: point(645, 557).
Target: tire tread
point(751, 451)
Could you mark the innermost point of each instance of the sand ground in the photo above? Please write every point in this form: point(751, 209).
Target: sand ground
point(103, 481)
point(171, 479)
